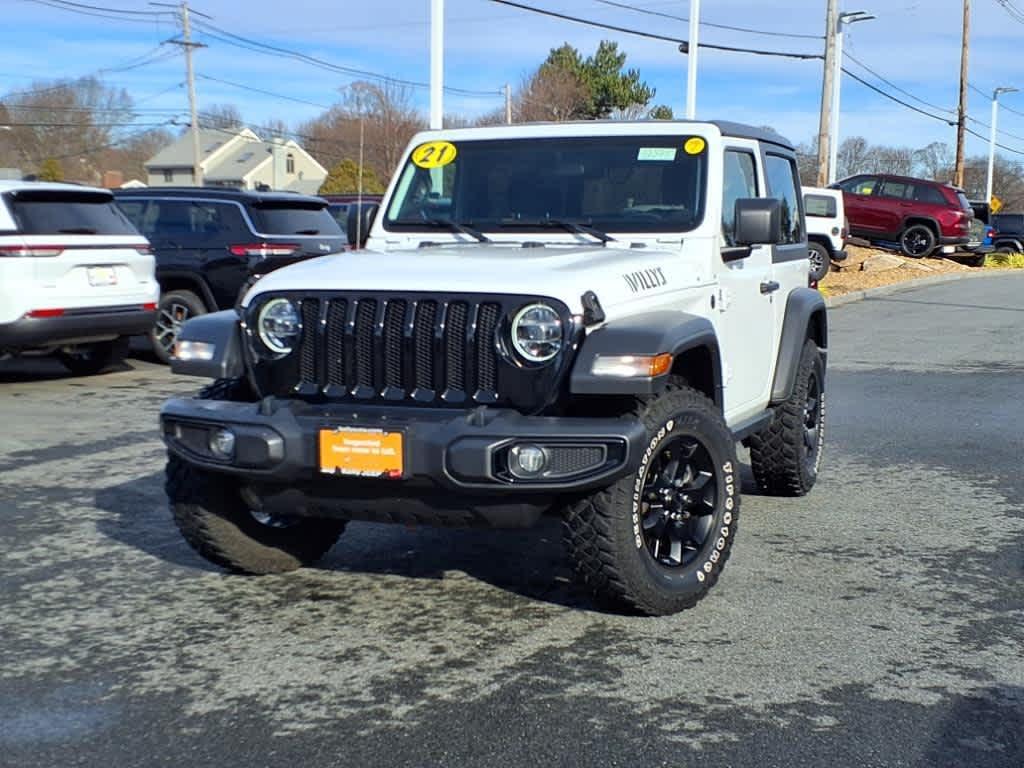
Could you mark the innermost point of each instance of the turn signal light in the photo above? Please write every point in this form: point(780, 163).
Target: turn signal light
point(633, 366)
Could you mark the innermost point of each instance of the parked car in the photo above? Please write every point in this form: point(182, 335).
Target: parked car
point(1008, 232)
point(339, 205)
point(211, 242)
point(826, 228)
point(918, 214)
point(76, 278)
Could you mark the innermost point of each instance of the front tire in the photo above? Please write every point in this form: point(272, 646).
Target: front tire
point(918, 241)
point(217, 523)
point(785, 456)
point(821, 262)
point(90, 359)
point(656, 541)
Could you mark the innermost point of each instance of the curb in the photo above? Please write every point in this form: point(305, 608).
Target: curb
point(885, 290)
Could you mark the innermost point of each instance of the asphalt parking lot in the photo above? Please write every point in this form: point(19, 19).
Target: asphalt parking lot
point(878, 622)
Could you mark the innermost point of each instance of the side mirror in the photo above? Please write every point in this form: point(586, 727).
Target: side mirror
point(758, 222)
point(360, 219)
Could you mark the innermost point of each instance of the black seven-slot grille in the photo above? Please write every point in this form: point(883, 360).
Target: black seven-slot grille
point(417, 349)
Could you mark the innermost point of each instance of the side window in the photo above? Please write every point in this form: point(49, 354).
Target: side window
point(135, 210)
point(738, 182)
point(900, 190)
point(820, 206)
point(860, 185)
point(783, 184)
point(218, 221)
point(924, 193)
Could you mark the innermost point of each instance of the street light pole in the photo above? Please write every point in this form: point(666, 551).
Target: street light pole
point(691, 64)
point(436, 64)
point(837, 74)
point(992, 140)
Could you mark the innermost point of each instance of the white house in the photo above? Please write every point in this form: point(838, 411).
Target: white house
point(237, 159)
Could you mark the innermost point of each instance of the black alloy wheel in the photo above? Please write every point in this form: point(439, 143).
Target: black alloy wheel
point(812, 422)
point(917, 241)
point(680, 495)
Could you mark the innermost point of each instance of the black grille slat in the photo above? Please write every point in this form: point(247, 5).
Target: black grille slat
point(366, 313)
point(486, 354)
point(310, 312)
point(394, 320)
point(423, 339)
point(455, 347)
point(437, 350)
point(335, 332)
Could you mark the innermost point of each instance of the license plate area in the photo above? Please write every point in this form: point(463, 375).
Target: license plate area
point(353, 452)
point(102, 276)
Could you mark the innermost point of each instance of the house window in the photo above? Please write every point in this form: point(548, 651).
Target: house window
point(168, 175)
point(289, 163)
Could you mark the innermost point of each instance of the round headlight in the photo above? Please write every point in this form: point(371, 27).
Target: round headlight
point(537, 333)
point(279, 326)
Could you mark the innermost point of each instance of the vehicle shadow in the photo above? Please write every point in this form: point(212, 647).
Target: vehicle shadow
point(983, 727)
point(530, 562)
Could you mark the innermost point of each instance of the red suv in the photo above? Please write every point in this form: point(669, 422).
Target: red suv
point(918, 214)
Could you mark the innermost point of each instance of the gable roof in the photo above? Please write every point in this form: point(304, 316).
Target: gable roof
point(212, 142)
point(242, 158)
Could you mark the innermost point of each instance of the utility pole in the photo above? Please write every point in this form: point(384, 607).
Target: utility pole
point(691, 64)
point(825, 120)
point(508, 104)
point(188, 45)
point(436, 64)
point(961, 124)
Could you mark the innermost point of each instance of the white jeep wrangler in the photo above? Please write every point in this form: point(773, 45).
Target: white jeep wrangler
point(580, 319)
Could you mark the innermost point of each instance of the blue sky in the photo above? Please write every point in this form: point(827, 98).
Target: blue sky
point(914, 44)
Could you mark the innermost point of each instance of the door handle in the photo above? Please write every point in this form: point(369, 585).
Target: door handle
point(770, 287)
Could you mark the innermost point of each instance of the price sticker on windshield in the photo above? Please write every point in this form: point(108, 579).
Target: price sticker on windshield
point(434, 154)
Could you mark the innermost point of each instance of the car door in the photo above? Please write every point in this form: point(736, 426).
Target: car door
point(895, 203)
point(860, 207)
point(745, 312)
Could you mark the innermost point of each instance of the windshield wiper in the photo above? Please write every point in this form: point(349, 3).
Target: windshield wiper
point(77, 231)
point(308, 232)
point(455, 226)
point(569, 226)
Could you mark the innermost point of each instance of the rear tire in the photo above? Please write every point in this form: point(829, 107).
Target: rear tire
point(821, 262)
point(173, 309)
point(785, 456)
point(90, 359)
point(918, 241)
point(656, 541)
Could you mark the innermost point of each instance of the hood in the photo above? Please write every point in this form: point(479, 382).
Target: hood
point(616, 275)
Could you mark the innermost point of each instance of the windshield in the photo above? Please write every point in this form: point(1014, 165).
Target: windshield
point(68, 213)
point(612, 184)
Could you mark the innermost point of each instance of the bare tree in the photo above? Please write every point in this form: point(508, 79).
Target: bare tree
point(227, 117)
point(854, 157)
point(550, 94)
point(935, 161)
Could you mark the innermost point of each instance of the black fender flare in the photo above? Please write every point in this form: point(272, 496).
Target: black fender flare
point(648, 333)
point(198, 285)
point(911, 220)
point(806, 318)
point(221, 329)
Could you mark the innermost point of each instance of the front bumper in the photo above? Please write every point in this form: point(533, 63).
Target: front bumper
point(461, 452)
point(957, 240)
point(76, 327)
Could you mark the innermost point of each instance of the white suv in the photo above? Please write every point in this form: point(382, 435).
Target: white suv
point(76, 278)
point(826, 229)
point(578, 319)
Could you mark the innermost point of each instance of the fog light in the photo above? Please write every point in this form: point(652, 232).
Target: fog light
point(222, 443)
point(526, 461)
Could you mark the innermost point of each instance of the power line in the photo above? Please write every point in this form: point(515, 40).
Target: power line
point(216, 33)
point(893, 85)
point(104, 13)
point(651, 35)
point(747, 30)
point(107, 10)
point(260, 90)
